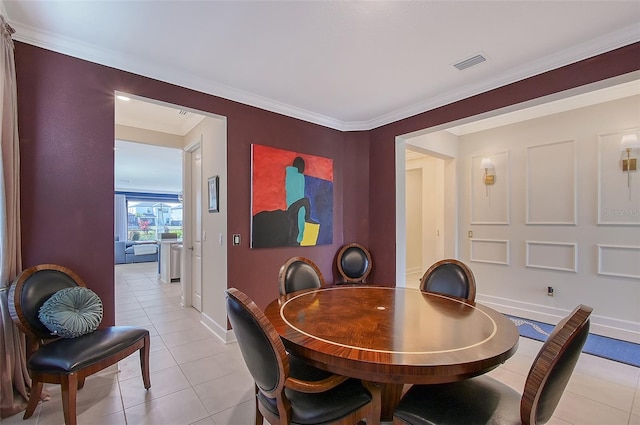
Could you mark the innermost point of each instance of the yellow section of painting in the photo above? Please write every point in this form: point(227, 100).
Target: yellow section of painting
point(311, 231)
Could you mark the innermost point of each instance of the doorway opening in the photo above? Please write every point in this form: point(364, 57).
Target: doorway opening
point(426, 204)
point(163, 126)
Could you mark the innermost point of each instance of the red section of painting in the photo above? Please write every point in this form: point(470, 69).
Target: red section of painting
point(268, 173)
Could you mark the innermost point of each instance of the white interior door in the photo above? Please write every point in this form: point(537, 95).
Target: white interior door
point(196, 229)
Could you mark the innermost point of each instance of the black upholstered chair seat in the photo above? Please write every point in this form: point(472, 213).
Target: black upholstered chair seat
point(320, 408)
point(480, 400)
point(70, 355)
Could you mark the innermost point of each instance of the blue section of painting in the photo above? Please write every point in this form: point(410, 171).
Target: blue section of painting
point(597, 345)
point(320, 195)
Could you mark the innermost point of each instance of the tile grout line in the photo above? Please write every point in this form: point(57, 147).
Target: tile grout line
point(633, 400)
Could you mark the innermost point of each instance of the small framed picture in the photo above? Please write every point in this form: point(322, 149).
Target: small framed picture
point(214, 205)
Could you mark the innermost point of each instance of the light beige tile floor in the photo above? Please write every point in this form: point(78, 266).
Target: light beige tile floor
point(197, 379)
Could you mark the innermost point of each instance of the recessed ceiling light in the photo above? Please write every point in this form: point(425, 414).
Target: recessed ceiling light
point(125, 98)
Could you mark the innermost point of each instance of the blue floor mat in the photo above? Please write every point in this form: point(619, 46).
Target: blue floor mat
point(601, 346)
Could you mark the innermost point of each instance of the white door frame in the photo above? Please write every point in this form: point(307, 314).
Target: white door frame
point(187, 224)
point(450, 203)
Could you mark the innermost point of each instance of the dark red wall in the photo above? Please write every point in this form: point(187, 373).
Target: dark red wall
point(66, 125)
point(382, 149)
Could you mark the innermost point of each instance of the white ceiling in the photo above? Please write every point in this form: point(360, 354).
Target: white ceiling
point(144, 167)
point(147, 168)
point(348, 65)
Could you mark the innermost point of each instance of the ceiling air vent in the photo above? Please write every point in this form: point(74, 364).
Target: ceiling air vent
point(182, 112)
point(468, 63)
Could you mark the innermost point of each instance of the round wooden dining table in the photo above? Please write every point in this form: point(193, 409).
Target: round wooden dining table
point(392, 336)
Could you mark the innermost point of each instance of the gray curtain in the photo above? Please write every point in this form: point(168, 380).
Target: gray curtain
point(120, 214)
point(15, 378)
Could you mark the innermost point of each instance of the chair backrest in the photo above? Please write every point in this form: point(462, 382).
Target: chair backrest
point(553, 366)
point(260, 344)
point(450, 277)
point(354, 263)
point(31, 288)
point(299, 273)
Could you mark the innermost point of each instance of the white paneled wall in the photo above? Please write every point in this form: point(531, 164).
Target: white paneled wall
point(560, 214)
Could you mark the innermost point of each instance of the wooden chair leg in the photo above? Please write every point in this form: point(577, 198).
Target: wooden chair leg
point(34, 398)
point(144, 362)
point(376, 394)
point(69, 393)
point(259, 417)
point(81, 382)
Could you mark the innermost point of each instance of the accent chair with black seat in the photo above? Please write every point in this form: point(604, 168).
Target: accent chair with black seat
point(354, 263)
point(484, 400)
point(67, 360)
point(289, 390)
point(450, 277)
point(299, 273)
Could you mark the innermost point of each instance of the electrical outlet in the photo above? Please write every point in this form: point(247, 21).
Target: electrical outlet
point(550, 291)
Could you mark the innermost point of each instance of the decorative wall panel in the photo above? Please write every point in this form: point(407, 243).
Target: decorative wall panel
point(490, 251)
point(618, 193)
point(552, 256)
point(618, 260)
point(551, 183)
point(490, 203)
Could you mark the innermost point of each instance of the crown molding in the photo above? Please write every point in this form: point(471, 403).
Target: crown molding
point(81, 50)
point(623, 37)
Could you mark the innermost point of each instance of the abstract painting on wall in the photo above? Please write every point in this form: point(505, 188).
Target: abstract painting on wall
point(291, 198)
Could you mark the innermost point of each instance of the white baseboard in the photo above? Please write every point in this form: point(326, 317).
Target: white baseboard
point(214, 327)
point(415, 270)
point(600, 325)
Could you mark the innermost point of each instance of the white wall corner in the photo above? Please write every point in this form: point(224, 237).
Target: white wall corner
point(215, 328)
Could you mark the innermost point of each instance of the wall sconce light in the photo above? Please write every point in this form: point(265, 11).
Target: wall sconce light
point(628, 144)
point(489, 177)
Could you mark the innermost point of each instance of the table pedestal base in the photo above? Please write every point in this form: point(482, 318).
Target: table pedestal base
point(390, 397)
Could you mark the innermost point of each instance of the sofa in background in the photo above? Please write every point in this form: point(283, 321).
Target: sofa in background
point(125, 252)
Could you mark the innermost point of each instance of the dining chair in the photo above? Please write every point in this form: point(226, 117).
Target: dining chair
point(484, 400)
point(450, 277)
point(354, 263)
point(80, 351)
point(288, 390)
point(299, 273)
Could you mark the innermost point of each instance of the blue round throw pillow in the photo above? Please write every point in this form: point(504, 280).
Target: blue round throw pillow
point(72, 312)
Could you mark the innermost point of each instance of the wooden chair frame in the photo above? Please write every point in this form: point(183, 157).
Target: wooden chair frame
point(471, 297)
point(550, 354)
point(371, 411)
point(548, 357)
point(71, 382)
point(347, 279)
point(282, 274)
